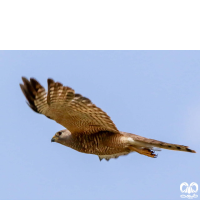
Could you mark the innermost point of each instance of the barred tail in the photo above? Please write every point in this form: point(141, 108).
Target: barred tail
point(145, 145)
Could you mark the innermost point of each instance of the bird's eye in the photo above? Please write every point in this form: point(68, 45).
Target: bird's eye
point(59, 133)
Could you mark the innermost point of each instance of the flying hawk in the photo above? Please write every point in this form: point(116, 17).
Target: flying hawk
point(89, 129)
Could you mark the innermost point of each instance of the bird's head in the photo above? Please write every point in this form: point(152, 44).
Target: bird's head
point(61, 136)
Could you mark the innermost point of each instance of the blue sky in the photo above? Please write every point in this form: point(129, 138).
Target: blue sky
point(155, 94)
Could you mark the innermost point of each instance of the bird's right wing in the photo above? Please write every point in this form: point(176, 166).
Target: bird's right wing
point(75, 112)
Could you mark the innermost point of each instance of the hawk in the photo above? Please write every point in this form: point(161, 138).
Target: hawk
point(88, 128)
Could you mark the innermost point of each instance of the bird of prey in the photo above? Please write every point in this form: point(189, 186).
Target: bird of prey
point(88, 128)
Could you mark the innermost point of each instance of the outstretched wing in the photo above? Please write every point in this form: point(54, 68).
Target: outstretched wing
point(75, 112)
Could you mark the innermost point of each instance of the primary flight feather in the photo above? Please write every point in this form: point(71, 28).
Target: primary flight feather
point(89, 129)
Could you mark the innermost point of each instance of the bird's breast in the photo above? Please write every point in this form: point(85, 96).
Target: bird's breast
point(102, 143)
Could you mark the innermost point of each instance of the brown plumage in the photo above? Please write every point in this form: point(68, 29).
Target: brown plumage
point(89, 129)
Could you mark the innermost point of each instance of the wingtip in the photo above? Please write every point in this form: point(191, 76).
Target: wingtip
point(33, 80)
point(50, 81)
point(23, 77)
point(21, 85)
point(25, 80)
point(23, 88)
point(35, 83)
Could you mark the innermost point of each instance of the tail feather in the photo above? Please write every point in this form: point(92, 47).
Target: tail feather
point(140, 141)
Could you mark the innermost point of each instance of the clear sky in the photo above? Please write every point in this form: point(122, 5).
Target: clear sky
point(155, 94)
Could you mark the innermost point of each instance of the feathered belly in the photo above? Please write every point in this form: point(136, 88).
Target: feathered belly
point(101, 144)
point(99, 151)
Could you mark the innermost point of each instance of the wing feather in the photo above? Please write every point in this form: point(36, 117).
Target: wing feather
point(75, 112)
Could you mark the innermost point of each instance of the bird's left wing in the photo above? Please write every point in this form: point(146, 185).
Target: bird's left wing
point(75, 112)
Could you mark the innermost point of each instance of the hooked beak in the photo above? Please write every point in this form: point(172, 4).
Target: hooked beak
point(52, 140)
